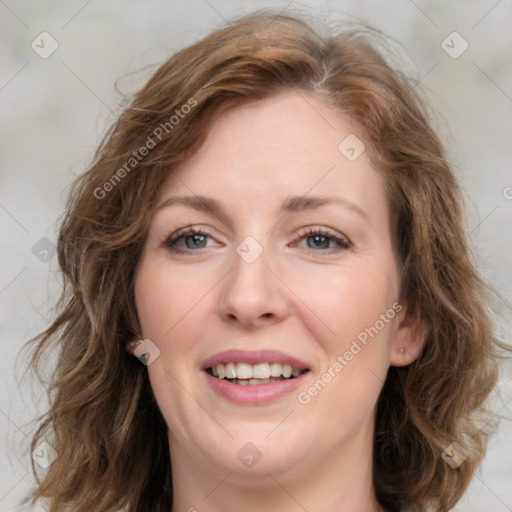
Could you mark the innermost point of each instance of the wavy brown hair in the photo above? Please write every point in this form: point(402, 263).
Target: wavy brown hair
point(103, 420)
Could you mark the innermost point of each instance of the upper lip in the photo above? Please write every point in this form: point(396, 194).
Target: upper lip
point(253, 357)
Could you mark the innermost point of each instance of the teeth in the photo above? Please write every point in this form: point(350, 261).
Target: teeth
point(256, 382)
point(253, 382)
point(230, 371)
point(261, 371)
point(244, 373)
point(275, 370)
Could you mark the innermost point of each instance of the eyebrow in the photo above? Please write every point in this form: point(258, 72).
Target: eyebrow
point(290, 205)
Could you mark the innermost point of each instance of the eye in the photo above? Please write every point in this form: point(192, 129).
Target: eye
point(324, 240)
point(321, 240)
point(188, 239)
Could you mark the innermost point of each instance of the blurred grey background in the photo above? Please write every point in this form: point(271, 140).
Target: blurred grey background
point(60, 61)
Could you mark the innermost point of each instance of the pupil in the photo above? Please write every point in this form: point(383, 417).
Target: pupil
point(196, 241)
point(320, 240)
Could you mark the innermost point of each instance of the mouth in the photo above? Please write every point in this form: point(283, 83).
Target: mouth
point(246, 374)
point(254, 377)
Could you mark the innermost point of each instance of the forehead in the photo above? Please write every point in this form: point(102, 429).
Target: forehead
point(257, 154)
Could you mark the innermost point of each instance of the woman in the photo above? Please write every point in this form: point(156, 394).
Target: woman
point(268, 289)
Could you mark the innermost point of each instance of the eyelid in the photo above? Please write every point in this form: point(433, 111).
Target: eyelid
point(318, 228)
point(343, 240)
point(190, 230)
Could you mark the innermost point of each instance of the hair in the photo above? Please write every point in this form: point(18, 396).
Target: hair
point(103, 420)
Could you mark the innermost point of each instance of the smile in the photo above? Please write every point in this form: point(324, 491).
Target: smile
point(254, 377)
point(247, 374)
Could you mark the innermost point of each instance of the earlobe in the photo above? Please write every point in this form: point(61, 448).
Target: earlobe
point(144, 350)
point(132, 345)
point(409, 339)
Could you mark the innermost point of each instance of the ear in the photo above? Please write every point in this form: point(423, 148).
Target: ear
point(409, 338)
point(144, 350)
point(132, 345)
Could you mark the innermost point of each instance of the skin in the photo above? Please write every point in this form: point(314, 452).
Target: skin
point(307, 301)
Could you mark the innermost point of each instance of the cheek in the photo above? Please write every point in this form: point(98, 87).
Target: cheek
point(170, 306)
point(167, 298)
point(355, 341)
point(346, 301)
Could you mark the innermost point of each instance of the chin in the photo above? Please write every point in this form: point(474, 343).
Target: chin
point(257, 450)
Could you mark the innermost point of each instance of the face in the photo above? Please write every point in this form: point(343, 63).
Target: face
point(270, 254)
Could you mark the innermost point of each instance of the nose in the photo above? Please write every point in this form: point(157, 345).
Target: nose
point(252, 296)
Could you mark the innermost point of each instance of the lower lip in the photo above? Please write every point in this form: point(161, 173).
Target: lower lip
point(254, 395)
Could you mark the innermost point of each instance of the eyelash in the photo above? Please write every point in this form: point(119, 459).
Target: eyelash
point(343, 243)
